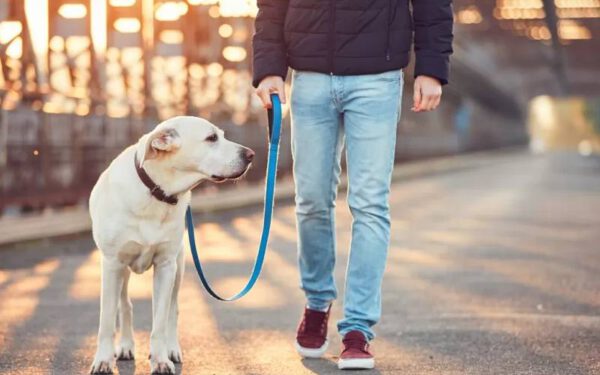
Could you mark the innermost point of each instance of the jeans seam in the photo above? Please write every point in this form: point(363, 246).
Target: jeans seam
point(335, 98)
point(333, 195)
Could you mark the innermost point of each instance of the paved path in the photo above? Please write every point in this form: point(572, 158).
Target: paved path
point(492, 270)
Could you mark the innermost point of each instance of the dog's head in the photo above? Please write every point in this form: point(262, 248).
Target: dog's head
point(195, 145)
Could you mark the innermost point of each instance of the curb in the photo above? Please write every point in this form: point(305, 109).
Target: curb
point(253, 195)
point(77, 220)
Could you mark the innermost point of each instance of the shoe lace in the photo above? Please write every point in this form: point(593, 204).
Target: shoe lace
point(314, 322)
point(355, 343)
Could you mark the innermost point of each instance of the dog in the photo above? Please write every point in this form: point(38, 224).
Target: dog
point(137, 209)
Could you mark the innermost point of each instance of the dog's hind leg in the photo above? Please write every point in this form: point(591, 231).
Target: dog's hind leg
point(126, 349)
point(172, 334)
point(112, 281)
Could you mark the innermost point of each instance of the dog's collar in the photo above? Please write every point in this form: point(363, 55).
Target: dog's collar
point(155, 190)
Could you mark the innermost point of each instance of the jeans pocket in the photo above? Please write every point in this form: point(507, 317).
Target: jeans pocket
point(391, 76)
point(298, 73)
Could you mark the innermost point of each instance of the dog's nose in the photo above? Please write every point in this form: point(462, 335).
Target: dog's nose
point(248, 154)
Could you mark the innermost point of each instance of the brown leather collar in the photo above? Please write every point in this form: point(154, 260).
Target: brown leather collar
point(155, 190)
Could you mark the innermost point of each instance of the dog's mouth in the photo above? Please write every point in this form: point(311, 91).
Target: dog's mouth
point(219, 179)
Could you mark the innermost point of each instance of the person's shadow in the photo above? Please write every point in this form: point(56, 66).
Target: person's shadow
point(329, 366)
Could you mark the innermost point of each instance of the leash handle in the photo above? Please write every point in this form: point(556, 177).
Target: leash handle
point(275, 116)
point(275, 105)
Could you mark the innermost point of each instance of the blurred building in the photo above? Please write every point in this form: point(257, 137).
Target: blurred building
point(82, 79)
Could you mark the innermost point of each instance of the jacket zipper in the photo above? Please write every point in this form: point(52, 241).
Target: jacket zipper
point(331, 34)
point(387, 38)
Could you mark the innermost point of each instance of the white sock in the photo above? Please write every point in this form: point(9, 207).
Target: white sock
point(322, 310)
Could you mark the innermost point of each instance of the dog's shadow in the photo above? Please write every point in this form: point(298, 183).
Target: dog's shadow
point(328, 365)
point(128, 368)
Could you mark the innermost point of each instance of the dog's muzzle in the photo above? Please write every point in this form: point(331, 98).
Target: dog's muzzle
point(247, 155)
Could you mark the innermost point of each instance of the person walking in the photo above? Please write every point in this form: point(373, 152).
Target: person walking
point(347, 58)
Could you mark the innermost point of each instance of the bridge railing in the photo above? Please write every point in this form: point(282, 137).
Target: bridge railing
point(55, 159)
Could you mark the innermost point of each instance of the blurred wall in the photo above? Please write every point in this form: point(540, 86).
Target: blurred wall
point(565, 124)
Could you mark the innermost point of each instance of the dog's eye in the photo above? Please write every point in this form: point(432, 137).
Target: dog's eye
point(212, 138)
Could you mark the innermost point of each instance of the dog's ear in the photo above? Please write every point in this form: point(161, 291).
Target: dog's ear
point(160, 142)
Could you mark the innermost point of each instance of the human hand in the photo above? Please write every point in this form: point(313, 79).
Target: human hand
point(268, 86)
point(427, 94)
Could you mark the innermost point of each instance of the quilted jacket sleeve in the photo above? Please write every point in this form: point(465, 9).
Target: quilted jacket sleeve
point(268, 45)
point(433, 21)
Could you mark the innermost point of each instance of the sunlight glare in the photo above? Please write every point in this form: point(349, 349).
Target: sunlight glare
point(263, 296)
point(98, 33)
point(213, 11)
point(127, 25)
point(37, 19)
point(57, 44)
point(122, 3)
point(171, 37)
point(238, 8)
point(171, 11)
point(225, 30)
point(15, 49)
point(76, 45)
point(234, 53)
point(202, 2)
point(9, 30)
point(214, 69)
point(72, 11)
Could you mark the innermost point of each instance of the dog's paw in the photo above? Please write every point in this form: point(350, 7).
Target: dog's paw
point(162, 367)
point(126, 351)
point(102, 366)
point(175, 354)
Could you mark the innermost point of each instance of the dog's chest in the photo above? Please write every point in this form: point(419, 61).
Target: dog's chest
point(147, 240)
point(154, 232)
point(155, 226)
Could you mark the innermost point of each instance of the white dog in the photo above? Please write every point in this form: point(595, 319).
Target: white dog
point(138, 208)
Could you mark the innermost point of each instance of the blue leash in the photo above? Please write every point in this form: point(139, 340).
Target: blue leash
point(274, 133)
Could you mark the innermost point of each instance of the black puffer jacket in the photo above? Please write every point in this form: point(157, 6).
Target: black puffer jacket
point(349, 37)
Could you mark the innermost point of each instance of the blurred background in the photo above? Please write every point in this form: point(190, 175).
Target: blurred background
point(493, 262)
point(82, 79)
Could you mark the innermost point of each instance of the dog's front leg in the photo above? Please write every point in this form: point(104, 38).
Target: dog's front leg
point(112, 281)
point(172, 334)
point(126, 349)
point(164, 279)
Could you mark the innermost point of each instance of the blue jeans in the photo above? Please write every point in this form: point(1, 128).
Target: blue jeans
point(362, 111)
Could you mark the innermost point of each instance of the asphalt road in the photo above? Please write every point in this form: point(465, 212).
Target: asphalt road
point(491, 270)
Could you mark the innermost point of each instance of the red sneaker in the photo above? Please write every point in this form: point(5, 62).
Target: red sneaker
point(356, 355)
point(311, 339)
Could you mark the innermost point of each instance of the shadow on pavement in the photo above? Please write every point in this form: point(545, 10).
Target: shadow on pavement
point(329, 365)
point(488, 272)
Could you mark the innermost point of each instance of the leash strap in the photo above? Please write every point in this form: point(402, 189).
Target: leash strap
point(274, 115)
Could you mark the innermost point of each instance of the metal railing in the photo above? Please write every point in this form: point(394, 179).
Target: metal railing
point(55, 159)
